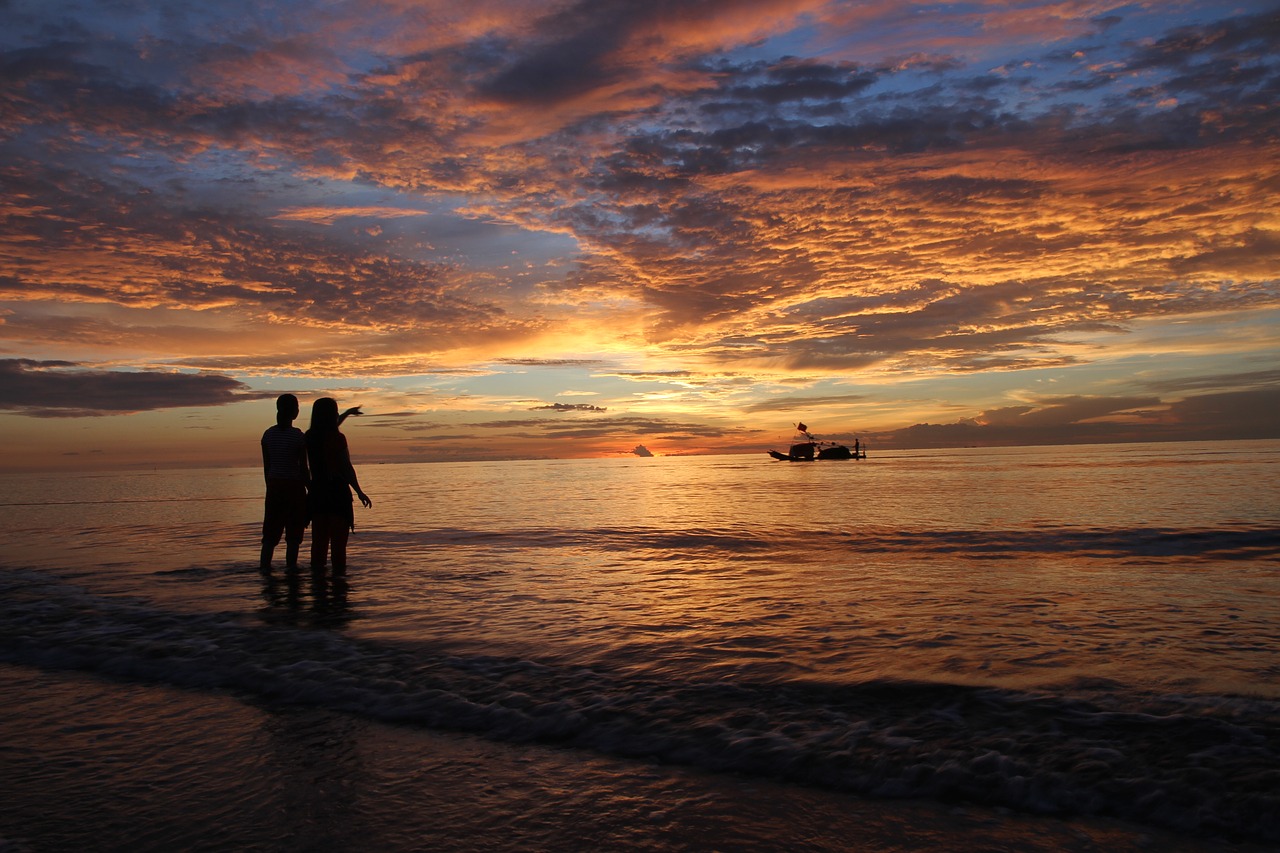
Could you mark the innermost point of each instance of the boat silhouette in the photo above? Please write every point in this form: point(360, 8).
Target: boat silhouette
point(813, 448)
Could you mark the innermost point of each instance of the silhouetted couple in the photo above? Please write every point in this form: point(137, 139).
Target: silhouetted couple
point(309, 480)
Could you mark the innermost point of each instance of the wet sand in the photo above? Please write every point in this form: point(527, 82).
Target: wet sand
point(91, 764)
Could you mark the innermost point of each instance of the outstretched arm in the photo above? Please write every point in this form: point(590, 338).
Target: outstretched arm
point(354, 410)
point(351, 475)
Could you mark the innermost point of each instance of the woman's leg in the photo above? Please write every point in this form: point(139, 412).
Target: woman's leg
point(320, 532)
point(338, 543)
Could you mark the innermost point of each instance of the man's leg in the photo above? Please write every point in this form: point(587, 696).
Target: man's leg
point(272, 529)
point(296, 526)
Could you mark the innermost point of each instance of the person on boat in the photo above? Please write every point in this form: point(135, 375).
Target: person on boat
point(284, 467)
point(332, 479)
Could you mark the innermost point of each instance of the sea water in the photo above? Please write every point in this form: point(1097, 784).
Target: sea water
point(1084, 631)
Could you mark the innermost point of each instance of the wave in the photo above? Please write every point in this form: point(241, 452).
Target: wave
point(1204, 764)
point(1243, 543)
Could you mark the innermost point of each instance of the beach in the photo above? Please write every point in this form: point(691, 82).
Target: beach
point(989, 650)
point(146, 768)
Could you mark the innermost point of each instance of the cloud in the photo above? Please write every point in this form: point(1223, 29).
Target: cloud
point(611, 427)
point(1232, 415)
point(550, 362)
point(882, 195)
point(799, 404)
point(142, 251)
point(1063, 411)
point(60, 389)
point(568, 407)
point(1251, 381)
point(330, 215)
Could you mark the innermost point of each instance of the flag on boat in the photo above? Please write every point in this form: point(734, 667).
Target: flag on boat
point(802, 427)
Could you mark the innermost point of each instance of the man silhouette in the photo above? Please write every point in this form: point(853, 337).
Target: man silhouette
point(284, 466)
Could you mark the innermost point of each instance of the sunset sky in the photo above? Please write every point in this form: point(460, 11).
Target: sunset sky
point(558, 229)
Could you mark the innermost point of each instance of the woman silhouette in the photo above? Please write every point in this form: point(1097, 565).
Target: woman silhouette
point(332, 478)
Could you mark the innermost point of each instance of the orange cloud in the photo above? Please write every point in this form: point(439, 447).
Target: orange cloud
point(330, 215)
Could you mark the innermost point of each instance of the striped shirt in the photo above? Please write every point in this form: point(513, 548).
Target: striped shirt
point(285, 449)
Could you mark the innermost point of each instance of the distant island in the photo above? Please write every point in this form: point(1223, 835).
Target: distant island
point(641, 450)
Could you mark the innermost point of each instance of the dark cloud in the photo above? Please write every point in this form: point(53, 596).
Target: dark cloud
point(572, 63)
point(654, 375)
point(59, 389)
point(1241, 37)
point(795, 80)
point(1234, 415)
point(549, 362)
point(1061, 411)
point(1252, 381)
point(590, 45)
point(568, 407)
point(1254, 252)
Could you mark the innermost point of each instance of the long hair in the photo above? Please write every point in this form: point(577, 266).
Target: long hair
point(324, 415)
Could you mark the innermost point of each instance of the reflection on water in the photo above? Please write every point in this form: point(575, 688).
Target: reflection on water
point(1147, 564)
point(303, 597)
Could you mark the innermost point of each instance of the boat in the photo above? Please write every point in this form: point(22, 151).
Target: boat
point(812, 448)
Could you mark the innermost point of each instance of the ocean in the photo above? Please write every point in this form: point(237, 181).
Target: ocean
point(1066, 648)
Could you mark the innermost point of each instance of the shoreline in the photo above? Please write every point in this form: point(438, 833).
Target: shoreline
point(101, 764)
